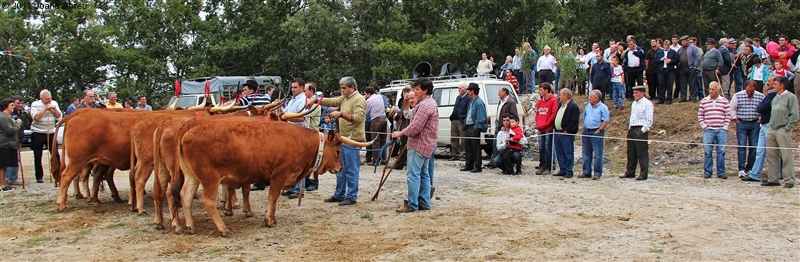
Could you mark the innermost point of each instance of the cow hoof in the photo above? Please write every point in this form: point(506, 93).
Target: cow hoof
point(226, 234)
point(62, 208)
point(248, 214)
point(95, 200)
point(143, 213)
point(191, 230)
point(227, 213)
point(159, 226)
point(78, 196)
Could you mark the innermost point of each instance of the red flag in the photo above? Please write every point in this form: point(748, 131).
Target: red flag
point(177, 87)
point(221, 100)
point(208, 89)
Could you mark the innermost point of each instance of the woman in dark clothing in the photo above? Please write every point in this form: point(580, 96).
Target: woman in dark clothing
point(8, 141)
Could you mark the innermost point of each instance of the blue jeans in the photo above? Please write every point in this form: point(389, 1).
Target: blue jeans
point(557, 76)
point(719, 137)
point(418, 178)
point(11, 173)
point(761, 153)
point(736, 77)
point(593, 145)
point(565, 153)
point(746, 135)
point(618, 94)
point(533, 82)
point(699, 84)
point(546, 150)
point(347, 178)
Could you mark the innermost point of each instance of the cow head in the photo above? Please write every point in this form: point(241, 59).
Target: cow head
point(331, 149)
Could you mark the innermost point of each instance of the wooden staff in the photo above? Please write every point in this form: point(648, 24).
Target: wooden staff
point(19, 160)
point(386, 175)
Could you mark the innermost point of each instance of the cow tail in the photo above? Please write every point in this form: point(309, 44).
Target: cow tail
point(55, 158)
point(179, 179)
point(156, 162)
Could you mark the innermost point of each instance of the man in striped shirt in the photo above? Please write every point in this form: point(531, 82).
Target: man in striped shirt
point(714, 116)
point(422, 135)
point(743, 111)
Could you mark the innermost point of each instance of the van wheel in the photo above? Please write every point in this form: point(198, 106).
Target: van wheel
point(487, 148)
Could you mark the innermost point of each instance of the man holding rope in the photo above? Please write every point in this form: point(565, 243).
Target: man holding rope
point(45, 114)
point(422, 135)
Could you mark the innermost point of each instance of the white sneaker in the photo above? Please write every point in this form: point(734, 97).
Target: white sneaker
point(742, 173)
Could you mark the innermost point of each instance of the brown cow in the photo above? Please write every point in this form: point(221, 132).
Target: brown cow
point(165, 148)
point(260, 148)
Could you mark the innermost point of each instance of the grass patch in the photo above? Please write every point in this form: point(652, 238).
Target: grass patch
point(36, 240)
point(214, 252)
point(657, 250)
point(367, 216)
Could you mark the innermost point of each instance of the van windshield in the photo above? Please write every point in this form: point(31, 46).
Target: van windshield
point(491, 93)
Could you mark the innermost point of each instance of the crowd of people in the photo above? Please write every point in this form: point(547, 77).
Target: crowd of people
point(674, 69)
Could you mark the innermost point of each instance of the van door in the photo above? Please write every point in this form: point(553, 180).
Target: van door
point(445, 100)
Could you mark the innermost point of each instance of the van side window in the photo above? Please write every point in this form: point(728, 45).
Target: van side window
point(445, 96)
point(491, 93)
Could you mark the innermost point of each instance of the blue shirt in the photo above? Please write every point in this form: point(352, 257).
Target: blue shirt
point(296, 105)
point(70, 108)
point(594, 116)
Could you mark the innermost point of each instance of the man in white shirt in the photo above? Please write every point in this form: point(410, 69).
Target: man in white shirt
point(484, 66)
point(45, 114)
point(641, 121)
point(546, 66)
point(612, 45)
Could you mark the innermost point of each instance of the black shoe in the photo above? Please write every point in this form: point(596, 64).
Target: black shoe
point(723, 176)
point(465, 169)
point(255, 188)
point(750, 179)
point(333, 200)
point(398, 167)
point(508, 172)
point(788, 185)
point(641, 178)
point(424, 208)
point(347, 202)
point(706, 176)
point(770, 184)
point(311, 188)
point(39, 181)
point(519, 172)
point(560, 174)
point(475, 171)
point(293, 195)
point(627, 176)
point(659, 102)
point(287, 193)
point(584, 176)
point(669, 102)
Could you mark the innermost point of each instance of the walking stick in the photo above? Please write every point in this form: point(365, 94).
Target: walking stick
point(49, 155)
point(19, 160)
point(386, 175)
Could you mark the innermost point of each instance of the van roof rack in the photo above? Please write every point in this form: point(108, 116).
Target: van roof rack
point(442, 79)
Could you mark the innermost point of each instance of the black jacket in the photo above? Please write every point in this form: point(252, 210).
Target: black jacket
point(460, 108)
point(571, 117)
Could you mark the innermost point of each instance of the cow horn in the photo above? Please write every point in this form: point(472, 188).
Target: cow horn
point(222, 109)
point(287, 116)
point(354, 143)
point(172, 106)
point(198, 107)
point(272, 105)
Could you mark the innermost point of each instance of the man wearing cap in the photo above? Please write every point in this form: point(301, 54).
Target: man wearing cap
point(712, 62)
point(736, 71)
point(689, 60)
point(641, 121)
point(474, 124)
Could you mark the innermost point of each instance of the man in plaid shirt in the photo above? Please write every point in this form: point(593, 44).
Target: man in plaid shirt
point(744, 113)
point(422, 134)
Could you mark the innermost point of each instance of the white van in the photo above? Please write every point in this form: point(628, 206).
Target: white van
point(445, 92)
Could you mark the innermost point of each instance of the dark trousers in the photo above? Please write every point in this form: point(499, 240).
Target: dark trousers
point(603, 87)
point(546, 76)
point(676, 76)
point(708, 77)
point(378, 129)
point(520, 79)
point(473, 147)
point(546, 150)
point(367, 131)
point(511, 158)
point(665, 81)
point(687, 83)
point(759, 86)
point(632, 78)
point(637, 152)
point(38, 141)
point(652, 84)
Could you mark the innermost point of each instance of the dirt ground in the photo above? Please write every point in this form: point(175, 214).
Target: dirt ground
point(484, 216)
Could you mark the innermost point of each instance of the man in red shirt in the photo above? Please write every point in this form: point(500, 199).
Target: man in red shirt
point(546, 111)
point(784, 51)
point(422, 134)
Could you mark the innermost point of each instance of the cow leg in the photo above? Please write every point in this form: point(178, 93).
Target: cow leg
point(109, 175)
point(227, 193)
point(272, 199)
point(187, 194)
point(160, 183)
point(248, 212)
point(76, 185)
point(209, 201)
point(85, 184)
point(96, 178)
point(132, 189)
point(174, 197)
point(67, 176)
point(142, 175)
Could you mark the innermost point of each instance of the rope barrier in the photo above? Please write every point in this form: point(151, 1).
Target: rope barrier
point(625, 139)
